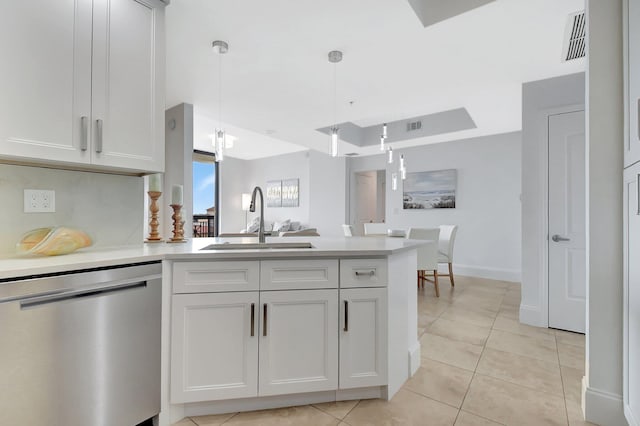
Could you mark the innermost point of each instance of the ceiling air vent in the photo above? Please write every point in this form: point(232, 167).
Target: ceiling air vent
point(574, 43)
point(414, 125)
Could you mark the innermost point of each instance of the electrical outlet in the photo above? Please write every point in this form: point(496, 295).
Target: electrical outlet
point(39, 201)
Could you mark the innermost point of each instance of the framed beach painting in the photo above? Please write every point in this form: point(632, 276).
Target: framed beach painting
point(430, 190)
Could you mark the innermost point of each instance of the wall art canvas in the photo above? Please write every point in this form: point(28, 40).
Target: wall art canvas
point(274, 193)
point(290, 196)
point(430, 190)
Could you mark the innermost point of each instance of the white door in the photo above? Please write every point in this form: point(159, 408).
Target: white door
point(45, 79)
point(214, 346)
point(363, 337)
point(632, 295)
point(298, 341)
point(128, 59)
point(567, 224)
point(366, 206)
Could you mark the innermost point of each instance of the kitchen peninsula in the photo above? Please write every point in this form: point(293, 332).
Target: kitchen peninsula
point(248, 329)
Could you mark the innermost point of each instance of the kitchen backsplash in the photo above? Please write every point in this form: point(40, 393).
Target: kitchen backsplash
point(110, 208)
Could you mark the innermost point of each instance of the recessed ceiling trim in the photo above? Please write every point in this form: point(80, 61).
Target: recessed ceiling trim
point(433, 11)
point(401, 130)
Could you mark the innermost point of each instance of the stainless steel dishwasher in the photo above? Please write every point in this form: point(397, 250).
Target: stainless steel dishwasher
point(82, 348)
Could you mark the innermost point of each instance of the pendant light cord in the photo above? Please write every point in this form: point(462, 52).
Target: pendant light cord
point(335, 94)
point(220, 91)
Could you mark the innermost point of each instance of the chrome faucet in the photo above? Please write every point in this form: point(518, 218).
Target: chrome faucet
point(252, 209)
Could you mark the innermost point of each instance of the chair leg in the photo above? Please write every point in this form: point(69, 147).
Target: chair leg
point(435, 282)
point(451, 274)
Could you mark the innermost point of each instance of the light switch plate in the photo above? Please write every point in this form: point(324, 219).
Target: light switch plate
point(39, 201)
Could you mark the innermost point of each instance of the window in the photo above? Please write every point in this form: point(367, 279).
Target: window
point(205, 195)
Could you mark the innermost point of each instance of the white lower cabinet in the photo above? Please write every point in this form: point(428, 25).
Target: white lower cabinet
point(298, 341)
point(363, 337)
point(243, 344)
point(214, 346)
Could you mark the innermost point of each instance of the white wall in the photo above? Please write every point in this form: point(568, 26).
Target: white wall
point(539, 98)
point(605, 139)
point(107, 207)
point(487, 200)
point(321, 190)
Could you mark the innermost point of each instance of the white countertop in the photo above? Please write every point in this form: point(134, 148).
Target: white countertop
point(15, 267)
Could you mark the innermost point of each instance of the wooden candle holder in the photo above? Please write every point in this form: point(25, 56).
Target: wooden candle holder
point(178, 225)
point(154, 235)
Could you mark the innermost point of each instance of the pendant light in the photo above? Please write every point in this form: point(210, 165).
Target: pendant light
point(390, 155)
point(220, 47)
point(394, 181)
point(335, 56)
point(403, 168)
point(381, 143)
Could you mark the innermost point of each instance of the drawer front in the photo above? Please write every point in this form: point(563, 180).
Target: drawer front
point(207, 277)
point(363, 273)
point(298, 274)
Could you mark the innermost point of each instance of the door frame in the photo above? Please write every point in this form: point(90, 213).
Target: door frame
point(543, 238)
point(352, 192)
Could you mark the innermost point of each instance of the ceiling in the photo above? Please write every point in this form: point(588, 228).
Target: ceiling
point(278, 83)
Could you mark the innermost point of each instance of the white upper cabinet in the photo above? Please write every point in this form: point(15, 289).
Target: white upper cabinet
point(128, 84)
point(45, 79)
point(632, 148)
point(83, 84)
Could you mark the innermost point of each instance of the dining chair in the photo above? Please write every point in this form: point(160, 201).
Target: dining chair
point(445, 248)
point(427, 254)
point(375, 228)
point(348, 230)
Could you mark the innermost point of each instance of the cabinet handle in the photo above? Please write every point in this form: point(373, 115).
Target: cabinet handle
point(84, 132)
point(638, 195)
point(253, 318)
point(365, 274)
point(99, 136)
point(346, 315)
point(264, 320)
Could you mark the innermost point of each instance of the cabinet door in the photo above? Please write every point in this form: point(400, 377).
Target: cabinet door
point(128, 83)
point(632, 150)
point(45, 79)
point(298, 341)
point(631, 311)
point(363, 337)
point(214, 346)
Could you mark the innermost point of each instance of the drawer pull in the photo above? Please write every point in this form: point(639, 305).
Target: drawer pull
point(99, 136)
point(365, 274)
point(346, 315)
point(253, 318)
point(264, 320)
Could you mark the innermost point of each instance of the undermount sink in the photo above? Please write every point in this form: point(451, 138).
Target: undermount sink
point(254, 246)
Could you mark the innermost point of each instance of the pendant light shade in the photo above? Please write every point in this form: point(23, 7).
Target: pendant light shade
point(334, 56)
point(219, 47)
point(381, 143)
point(390, 155)
point(334, 142)
point(384, 130)
point(394, 181)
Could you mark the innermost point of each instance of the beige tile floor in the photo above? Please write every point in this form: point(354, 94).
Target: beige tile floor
point(480, 366)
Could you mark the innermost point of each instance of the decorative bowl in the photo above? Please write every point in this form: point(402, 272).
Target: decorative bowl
point(52, 241)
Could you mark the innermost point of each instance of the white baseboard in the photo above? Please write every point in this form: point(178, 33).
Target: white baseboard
point(532, 315)
point(604, 408)
point(513, 275)
point(414, 358)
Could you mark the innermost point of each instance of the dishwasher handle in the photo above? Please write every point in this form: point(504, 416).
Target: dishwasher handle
point(79, 294)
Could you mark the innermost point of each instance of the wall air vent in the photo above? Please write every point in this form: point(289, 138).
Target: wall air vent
point(574, 42)
point(414, 125)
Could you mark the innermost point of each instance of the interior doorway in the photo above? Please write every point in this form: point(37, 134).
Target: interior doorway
point(567, 221)
point(369, 199)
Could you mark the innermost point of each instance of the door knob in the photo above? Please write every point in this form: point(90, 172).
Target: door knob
point(557, 238)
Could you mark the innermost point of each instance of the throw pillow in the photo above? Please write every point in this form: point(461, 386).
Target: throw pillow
point(282, 226)
point(254, 225)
